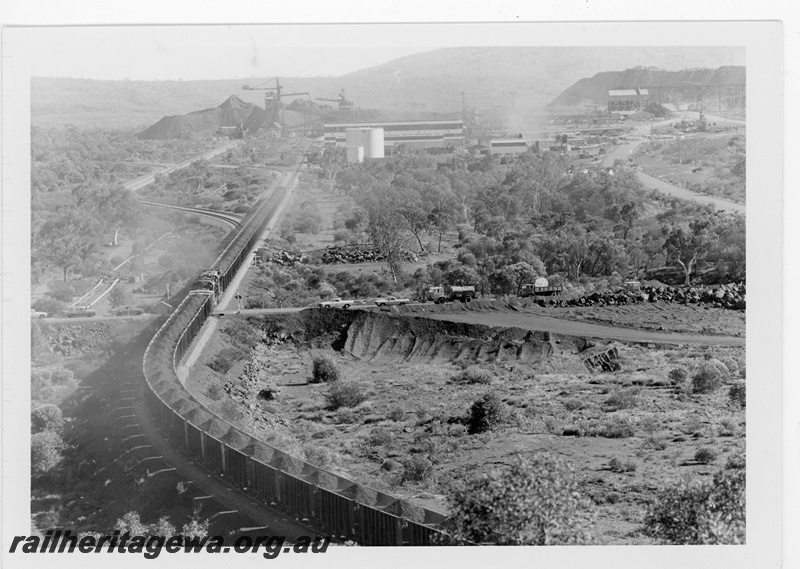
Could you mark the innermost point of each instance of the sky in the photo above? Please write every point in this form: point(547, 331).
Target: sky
point(208, 52)
point(243, 51)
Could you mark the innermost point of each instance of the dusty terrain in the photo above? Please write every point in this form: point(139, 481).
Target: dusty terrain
point(627, 431)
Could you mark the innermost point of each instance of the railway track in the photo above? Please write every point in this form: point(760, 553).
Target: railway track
point(273, 479)
point(234, 220)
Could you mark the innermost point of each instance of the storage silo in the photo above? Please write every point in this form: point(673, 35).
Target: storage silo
point(373, 143)
point(355, 137)
point(355, 154)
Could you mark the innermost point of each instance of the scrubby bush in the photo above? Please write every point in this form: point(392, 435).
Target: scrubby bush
point(730, 364)
point(345, 394)
point(617, 465)
point(678, 374)
point(215, 392)
point(534, 501)
point(617, 428)
point(574, 404)
point(50, 305)
point(738, 393)
point(473, 375)
point(224, 360)
point(396, 414)
point(623, 398)
point(52, 383)
point(701, 512)
point(724, 373)
point(46, 448)
point(487, 413)
point(706, 379)
point(46, 418)
point(417, 469)
point(325, 370)
point(736, 461)
point(705, 455)
point(380, 437)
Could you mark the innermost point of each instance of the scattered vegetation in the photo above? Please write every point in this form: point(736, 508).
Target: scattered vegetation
point(326, 370)
point(738, 393)
point(487, 413)
point(708, 512)
point(345, 394)
point(706, 379)
point(705, 455)
point(473, 375)
point(534, 501)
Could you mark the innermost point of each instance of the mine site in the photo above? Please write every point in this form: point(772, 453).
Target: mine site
point(436, 301)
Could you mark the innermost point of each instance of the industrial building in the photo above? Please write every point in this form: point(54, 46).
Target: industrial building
point(508, 146)
point(627, 100)
point(412, 134)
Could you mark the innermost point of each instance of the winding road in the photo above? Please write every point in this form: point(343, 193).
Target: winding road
point(624, 151)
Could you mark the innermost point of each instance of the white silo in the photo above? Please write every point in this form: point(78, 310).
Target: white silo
point(355, 154)
point(373, 143)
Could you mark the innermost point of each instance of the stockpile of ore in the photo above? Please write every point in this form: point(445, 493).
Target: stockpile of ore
point(358, 254)
point(282, 257)
point(731, 296)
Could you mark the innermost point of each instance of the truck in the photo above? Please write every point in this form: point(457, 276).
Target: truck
point(440, 294)
point(540, 287)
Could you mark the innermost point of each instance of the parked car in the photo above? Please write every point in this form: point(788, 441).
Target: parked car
point(81, 313)
point(336, 303)
point(127, 311)
point(37, 314)
point(391, 300)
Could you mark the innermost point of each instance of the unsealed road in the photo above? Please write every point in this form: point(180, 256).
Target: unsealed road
point(572, 328)
point(542, 324)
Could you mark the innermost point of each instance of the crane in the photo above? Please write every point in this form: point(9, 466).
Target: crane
point(344, 103)
point(272, 100)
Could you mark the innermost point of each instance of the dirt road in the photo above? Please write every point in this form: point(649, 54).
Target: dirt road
point(572, 328)
point(624, 151)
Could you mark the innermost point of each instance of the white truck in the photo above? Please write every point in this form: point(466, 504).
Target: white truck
point(391, 301)
point(336, 303)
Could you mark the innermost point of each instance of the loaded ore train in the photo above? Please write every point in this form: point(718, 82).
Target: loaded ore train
point(328, 502)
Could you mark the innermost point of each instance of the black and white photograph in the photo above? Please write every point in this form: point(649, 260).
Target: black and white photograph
point(298, 290)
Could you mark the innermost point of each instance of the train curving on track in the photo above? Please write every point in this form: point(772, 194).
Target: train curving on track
point(328, 502)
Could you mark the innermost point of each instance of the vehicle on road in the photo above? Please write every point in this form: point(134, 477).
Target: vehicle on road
point(127, 311)
point(391, 300)
point(336, 303)
point(80, 313)
point(440, 294)
point(540, 287)
point(38, 314)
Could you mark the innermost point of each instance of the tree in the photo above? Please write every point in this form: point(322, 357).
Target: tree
point(68, 239)
point(118, 208)
point(688, 245)
point(701, 512)
point(46, 450)
point(46, 418)
point(534, 501)
point(119, 296)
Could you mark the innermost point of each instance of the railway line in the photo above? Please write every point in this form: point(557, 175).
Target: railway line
point(273, 479)
point(233, 220)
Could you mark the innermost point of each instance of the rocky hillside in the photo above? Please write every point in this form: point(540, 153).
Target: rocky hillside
point(594, 90)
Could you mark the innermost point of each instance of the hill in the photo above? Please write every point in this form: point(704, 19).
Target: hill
point(594, 90)
point(527, 78)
